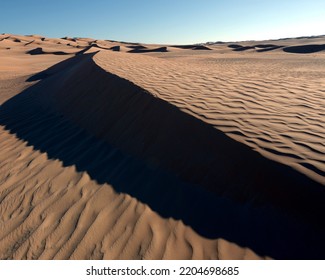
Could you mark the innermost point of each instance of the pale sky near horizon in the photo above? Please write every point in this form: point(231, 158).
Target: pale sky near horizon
point(164, 21)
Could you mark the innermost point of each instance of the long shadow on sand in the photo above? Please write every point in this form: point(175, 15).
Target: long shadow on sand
point(180, 166)
point(305, 48)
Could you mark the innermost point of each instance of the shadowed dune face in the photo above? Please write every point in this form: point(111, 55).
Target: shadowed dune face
point(40, 51)
point(192, 47)
point(238, 48)
point(116, 48)
point(258, 48)
point(145, 50)
point(180, 166)
point(137, 47)
point(305, 49)
point(266, 49)
point(31, 42)
point(201, 48)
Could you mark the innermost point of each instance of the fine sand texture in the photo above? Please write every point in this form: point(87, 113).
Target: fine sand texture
point(118, 150)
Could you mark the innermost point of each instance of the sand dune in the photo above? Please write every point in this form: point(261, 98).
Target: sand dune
point(160, 155)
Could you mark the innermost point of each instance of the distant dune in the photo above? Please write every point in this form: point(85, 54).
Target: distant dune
point(118, 150)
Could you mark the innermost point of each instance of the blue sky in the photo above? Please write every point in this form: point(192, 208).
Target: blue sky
point(164, 21)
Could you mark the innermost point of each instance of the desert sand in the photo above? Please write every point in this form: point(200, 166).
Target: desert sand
point(118, 150)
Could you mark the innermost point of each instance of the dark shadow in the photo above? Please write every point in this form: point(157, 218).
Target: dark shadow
point(216, 43)
point(38, 51)
point(141, 50)
point(126, 43)
point(234, 46)
point(115, 48)
point(191, 47)
point(97, 46)
point(1, 39)
point(122, 42)
point(29, 42)
point(261, 47)
point(305, 49)
point(136, 47)
point(180, 166)
point(265, 46)
point(269, 49)
point(203, 48)
point(69, 39)
point(186, 47)
point(240, 49)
